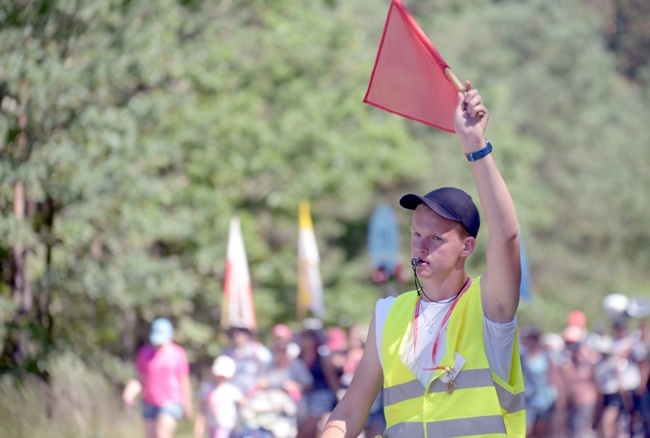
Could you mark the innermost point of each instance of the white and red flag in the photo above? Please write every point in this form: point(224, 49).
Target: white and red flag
point(310, 285)
point(238, 309)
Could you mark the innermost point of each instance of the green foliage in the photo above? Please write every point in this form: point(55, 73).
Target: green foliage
point(138, 129)
point(628, 33)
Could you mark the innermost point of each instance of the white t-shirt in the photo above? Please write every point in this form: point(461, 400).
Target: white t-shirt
point(221, 404)
point(499, 339)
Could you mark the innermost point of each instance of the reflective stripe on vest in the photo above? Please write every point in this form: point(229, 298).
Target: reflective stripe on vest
point(479, 404)
point(467, 379)
point(510, 402)
point(450, 428)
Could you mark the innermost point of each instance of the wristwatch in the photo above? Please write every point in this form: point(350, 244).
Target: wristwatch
point(475, 156)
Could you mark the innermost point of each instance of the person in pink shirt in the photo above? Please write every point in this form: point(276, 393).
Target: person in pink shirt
point(163, 379)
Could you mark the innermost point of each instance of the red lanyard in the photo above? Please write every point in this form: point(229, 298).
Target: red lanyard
point(442, 325)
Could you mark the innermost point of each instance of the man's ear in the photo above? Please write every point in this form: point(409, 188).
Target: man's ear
point(469, 246)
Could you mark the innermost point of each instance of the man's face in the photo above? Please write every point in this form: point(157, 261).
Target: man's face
point(240, 338)
point(436, 241)
point(280, 344)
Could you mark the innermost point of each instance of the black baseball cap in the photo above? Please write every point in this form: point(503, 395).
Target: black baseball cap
point(450, 203)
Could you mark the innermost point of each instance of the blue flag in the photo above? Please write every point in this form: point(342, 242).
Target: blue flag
point(383, 239)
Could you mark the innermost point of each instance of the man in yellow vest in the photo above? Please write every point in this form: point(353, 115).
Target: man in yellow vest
point(446, 354)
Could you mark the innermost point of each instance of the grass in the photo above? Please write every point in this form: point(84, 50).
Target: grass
point(79, 403)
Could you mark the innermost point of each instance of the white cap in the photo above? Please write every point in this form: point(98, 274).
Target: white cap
point(553, 341)
point(615, 304)
point(224, 366)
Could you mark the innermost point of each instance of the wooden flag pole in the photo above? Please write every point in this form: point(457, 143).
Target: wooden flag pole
point(454, 80)
point(459, 86)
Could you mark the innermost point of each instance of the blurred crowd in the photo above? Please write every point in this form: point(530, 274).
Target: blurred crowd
point(587, 383)
point(578, 383)
point(285, 388)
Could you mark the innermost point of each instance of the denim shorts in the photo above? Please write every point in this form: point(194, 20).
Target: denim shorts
point(150, 412)
point(320, 401)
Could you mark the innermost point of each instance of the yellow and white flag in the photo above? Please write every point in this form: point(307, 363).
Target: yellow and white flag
point(310, 285)
point(238, 309)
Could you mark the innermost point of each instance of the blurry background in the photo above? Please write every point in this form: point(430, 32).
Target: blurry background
point(133, 130)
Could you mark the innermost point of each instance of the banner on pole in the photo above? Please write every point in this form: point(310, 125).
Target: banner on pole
point(383, 239)
point(238, 309)
point(310, 285)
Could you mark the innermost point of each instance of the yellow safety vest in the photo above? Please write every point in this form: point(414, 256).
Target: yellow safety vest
point(482, 404)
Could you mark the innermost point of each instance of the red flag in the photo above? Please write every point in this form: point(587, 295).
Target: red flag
point(410, 77)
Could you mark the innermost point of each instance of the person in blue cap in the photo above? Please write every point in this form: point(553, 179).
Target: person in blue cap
point(163, 379)
point(446, 353)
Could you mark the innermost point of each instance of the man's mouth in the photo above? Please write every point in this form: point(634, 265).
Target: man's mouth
point(415, 262)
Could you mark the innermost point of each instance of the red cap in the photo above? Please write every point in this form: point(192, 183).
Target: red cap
point(282, 331)
point(577, 318)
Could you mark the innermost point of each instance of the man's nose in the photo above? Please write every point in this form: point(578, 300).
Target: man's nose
point(419, 246)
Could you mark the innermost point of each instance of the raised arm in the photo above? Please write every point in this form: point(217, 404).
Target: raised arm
point(349, 417)
point(500, 283)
